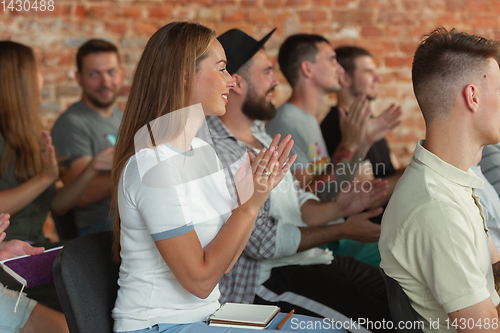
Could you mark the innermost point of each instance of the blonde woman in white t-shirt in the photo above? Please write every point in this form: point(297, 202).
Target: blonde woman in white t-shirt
point(177, 228)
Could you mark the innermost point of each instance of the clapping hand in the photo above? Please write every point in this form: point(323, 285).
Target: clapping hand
point(361, 196)
point(353, 125)
point(378, 127)
point(267, 169)
point(48, 157)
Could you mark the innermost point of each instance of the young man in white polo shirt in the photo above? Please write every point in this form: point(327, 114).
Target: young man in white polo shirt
point(434, 240)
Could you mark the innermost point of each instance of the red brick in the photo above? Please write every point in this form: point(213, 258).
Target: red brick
point(378, 46)
point(312, 15)
point(477, 6)
point(258, 16)
point(161, 12)
point(409, 48)
point(371, 31)
point(80, 11)
point(343, 3)
point(352, 17)
point(398, 61)
point(369, 4)
point(225, 2)
point(99, 11)
point(202, 2)
point(249, 3)
point(145, 28)
point(283, 16)
point(53, 74)
point(118, 27)
point(391, 17)
point(291, 3)
point(209, 14)
point(412, 5)
point(233, 15)
point(419, 32)
point(322, 29)
point(326, 3)
point(455, 5)
point(273, 3)
point(56, 58)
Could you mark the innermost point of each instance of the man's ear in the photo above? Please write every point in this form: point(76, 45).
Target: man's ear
point(239, 83)
point(78, 77)
point(306, 69)
point(345, 80)
point(122, 74)
point(471, 96)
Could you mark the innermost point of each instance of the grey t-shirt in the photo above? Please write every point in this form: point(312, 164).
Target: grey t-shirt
point(309, 144)
point(79, 132)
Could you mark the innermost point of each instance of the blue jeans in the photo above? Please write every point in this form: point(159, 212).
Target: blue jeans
point(297, 323)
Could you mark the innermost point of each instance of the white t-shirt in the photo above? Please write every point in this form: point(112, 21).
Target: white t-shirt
point(163, 193)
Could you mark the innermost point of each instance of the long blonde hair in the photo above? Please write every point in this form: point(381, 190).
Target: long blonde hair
point(162, 83)
point(20, 123)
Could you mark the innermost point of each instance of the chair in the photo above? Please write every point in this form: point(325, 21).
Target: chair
point(65, 225)
point(86, 278)
point(400, 307)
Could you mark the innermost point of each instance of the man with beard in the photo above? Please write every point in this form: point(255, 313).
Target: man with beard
point(89, 126)
point(360, 77)
point(281, 263)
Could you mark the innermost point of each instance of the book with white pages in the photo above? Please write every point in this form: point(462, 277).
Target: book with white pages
point(251, 316)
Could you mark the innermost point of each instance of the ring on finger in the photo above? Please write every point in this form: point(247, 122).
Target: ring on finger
point(266, 173)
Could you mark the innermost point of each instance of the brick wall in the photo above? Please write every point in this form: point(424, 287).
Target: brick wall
point(391, 29)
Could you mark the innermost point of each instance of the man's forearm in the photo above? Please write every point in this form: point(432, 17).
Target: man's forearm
point(316, 236)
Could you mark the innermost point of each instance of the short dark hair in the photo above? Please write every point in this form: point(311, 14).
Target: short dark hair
point(94, 46)
point(346, 55)
point(442, 64)
point(296, 49)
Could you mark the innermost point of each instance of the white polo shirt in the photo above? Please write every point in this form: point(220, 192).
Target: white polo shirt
point(434, 241)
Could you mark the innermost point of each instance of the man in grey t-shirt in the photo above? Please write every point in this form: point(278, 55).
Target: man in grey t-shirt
point(89, 126)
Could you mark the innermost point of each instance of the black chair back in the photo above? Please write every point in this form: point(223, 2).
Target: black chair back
point(404, 317)
point(86, 282)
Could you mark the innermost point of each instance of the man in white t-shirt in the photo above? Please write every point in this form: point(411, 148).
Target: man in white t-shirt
point(434, 240)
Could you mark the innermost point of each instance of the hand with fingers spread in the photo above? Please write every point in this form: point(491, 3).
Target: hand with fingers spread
point(14, 248)
point(268, 168)
point(361, 196)
point(353, 125)
point(50, 168)
point(378, 127)
point(360, 228)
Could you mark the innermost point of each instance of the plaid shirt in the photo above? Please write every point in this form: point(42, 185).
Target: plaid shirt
point(240, 283)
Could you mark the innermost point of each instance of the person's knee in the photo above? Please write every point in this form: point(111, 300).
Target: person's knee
point(44, 319)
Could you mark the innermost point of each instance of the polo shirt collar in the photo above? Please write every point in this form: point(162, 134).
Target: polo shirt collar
point(446, 170)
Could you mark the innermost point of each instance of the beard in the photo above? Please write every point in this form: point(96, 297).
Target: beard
point(102, 104)
point(256, 107)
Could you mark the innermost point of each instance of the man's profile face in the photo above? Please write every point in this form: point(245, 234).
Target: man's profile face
point(101, 78)
point(365, 79)
point(326, 71)
point(260, 88)
point(489, 103)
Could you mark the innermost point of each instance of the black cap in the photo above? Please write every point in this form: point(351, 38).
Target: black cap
point(240, 47)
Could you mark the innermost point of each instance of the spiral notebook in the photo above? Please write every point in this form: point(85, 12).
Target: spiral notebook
point(244, 315)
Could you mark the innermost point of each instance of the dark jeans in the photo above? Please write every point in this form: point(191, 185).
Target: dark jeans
point(355, 289)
